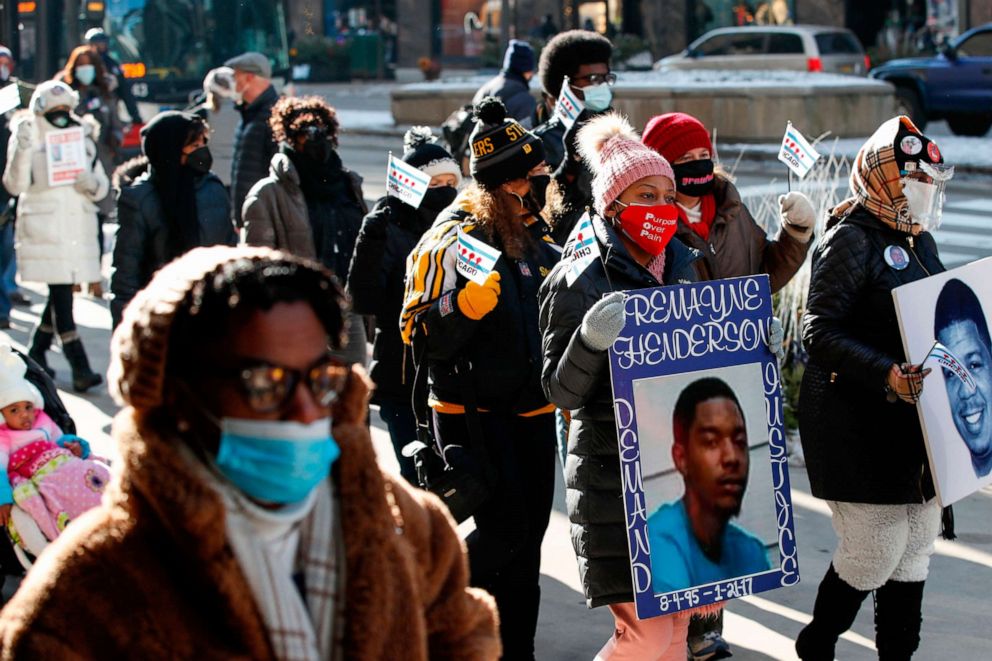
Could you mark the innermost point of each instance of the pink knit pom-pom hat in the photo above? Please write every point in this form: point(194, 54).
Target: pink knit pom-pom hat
point(613, 151)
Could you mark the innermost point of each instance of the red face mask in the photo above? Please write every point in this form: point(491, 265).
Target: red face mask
point(650, 227)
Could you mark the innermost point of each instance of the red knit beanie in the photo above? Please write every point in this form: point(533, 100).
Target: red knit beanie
point(675, 133)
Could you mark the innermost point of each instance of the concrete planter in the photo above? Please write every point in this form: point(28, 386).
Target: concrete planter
point(743, 106)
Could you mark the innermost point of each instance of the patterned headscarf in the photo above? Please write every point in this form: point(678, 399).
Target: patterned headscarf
point(878, 170)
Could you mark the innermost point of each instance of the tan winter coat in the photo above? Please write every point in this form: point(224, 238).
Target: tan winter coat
point(738, 247)
point(150, 575)
point(56, 226)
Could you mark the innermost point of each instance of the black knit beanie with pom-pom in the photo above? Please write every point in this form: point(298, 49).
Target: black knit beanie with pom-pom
point(502, 150)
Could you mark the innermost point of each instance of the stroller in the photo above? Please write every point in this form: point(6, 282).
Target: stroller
point(24, 539)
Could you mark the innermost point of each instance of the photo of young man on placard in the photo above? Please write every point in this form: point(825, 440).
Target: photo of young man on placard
point(702, 434)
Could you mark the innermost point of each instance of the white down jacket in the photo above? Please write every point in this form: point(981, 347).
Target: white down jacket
point(56, 235)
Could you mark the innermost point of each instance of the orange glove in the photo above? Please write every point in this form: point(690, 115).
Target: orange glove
point(476, 301)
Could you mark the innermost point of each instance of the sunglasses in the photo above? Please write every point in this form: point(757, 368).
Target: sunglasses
point(269, 388)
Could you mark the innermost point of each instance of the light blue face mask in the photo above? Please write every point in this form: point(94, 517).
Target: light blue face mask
point(598, 97)
point(85, 73)
point(276, 461)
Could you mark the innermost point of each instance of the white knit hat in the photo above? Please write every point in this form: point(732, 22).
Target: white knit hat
point(13, 386)
point(53, 94)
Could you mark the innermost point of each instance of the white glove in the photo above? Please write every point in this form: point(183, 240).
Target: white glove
point(85, 182)
point(25, 134)
point(603, 322)
point(776, 338)
point(798, 216)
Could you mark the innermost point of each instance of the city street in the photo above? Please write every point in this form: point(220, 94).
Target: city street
point(759, 627)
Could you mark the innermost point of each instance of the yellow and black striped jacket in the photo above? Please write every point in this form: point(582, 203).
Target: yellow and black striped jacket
point(504, 347)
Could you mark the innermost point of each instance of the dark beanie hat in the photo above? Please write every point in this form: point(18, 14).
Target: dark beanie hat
point(674, 134)
point(422, 152)
point(502, 150)
point(163, 138)
point(519, 57)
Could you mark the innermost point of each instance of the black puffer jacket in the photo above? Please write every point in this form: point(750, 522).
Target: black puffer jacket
point(504, 346)
point(254, 148)
point(858, 446)
point(142, 238)
point(514, 91)
point(375, 282)
point(578, 379)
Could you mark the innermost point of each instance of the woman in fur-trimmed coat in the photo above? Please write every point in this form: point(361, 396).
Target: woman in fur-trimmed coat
point(184, 560)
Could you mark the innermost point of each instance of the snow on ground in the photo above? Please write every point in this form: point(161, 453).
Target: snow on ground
point(958, 151)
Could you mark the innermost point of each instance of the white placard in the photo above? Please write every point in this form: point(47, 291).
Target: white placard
point(65, 151)
point(944, 321)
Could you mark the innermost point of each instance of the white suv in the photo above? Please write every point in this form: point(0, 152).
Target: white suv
point(795, 48)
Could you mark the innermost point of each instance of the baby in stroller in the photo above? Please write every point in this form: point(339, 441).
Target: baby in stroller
point(47, 474)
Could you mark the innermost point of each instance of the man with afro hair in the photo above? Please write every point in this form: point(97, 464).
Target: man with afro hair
point(582, 56)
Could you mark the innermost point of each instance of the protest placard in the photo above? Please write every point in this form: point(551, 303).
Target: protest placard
point(406, 182)
point(10, 98)
point(65, 154)
point(475, 258)
point(692, 371)
point(944, 324)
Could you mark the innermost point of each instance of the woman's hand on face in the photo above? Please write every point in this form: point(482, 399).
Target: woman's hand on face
point(905, 381)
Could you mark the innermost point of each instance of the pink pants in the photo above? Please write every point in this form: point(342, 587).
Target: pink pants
point(655, 639)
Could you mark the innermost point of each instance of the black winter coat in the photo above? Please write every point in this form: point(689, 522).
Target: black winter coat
point(514, 91)
point(142, 240)
point(577, 379)
point(254, 148)
point(375, 282)
point(503, 347)
point(859, 447)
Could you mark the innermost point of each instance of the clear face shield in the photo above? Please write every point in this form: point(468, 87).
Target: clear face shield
point(924, 190)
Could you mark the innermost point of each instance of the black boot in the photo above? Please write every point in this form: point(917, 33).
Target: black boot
point(41, 342)
point(83, 378)
point(898, 617)
point(837, 604)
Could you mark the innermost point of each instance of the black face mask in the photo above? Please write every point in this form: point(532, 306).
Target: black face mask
point(436, 200)
point(59, 118)
point(694, 178)
point(200, 160)
point(539, 190)
point(318, 151)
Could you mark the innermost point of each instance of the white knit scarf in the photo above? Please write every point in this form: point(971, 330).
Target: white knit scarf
point(301, 541)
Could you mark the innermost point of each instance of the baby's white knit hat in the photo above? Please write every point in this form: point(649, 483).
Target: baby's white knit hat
point(13, 386)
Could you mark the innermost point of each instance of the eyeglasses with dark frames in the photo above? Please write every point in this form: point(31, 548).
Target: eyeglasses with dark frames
point(593, 79)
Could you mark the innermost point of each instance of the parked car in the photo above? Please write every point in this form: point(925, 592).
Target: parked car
point(794, 48)
point(955, 84)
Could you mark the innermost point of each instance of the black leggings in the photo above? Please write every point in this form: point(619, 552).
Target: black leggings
point(57, 315)
point(504, 552)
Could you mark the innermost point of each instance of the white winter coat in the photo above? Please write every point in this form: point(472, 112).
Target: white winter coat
point(56, 237)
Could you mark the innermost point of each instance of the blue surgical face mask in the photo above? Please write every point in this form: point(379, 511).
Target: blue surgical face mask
point(598, 97)
point(86, 73)
point(276, 461)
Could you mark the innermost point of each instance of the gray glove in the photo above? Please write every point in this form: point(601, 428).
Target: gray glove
point(776, 338)
point(603, 322)
point(798, 216)
point(25, 134)
point(85, 182)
